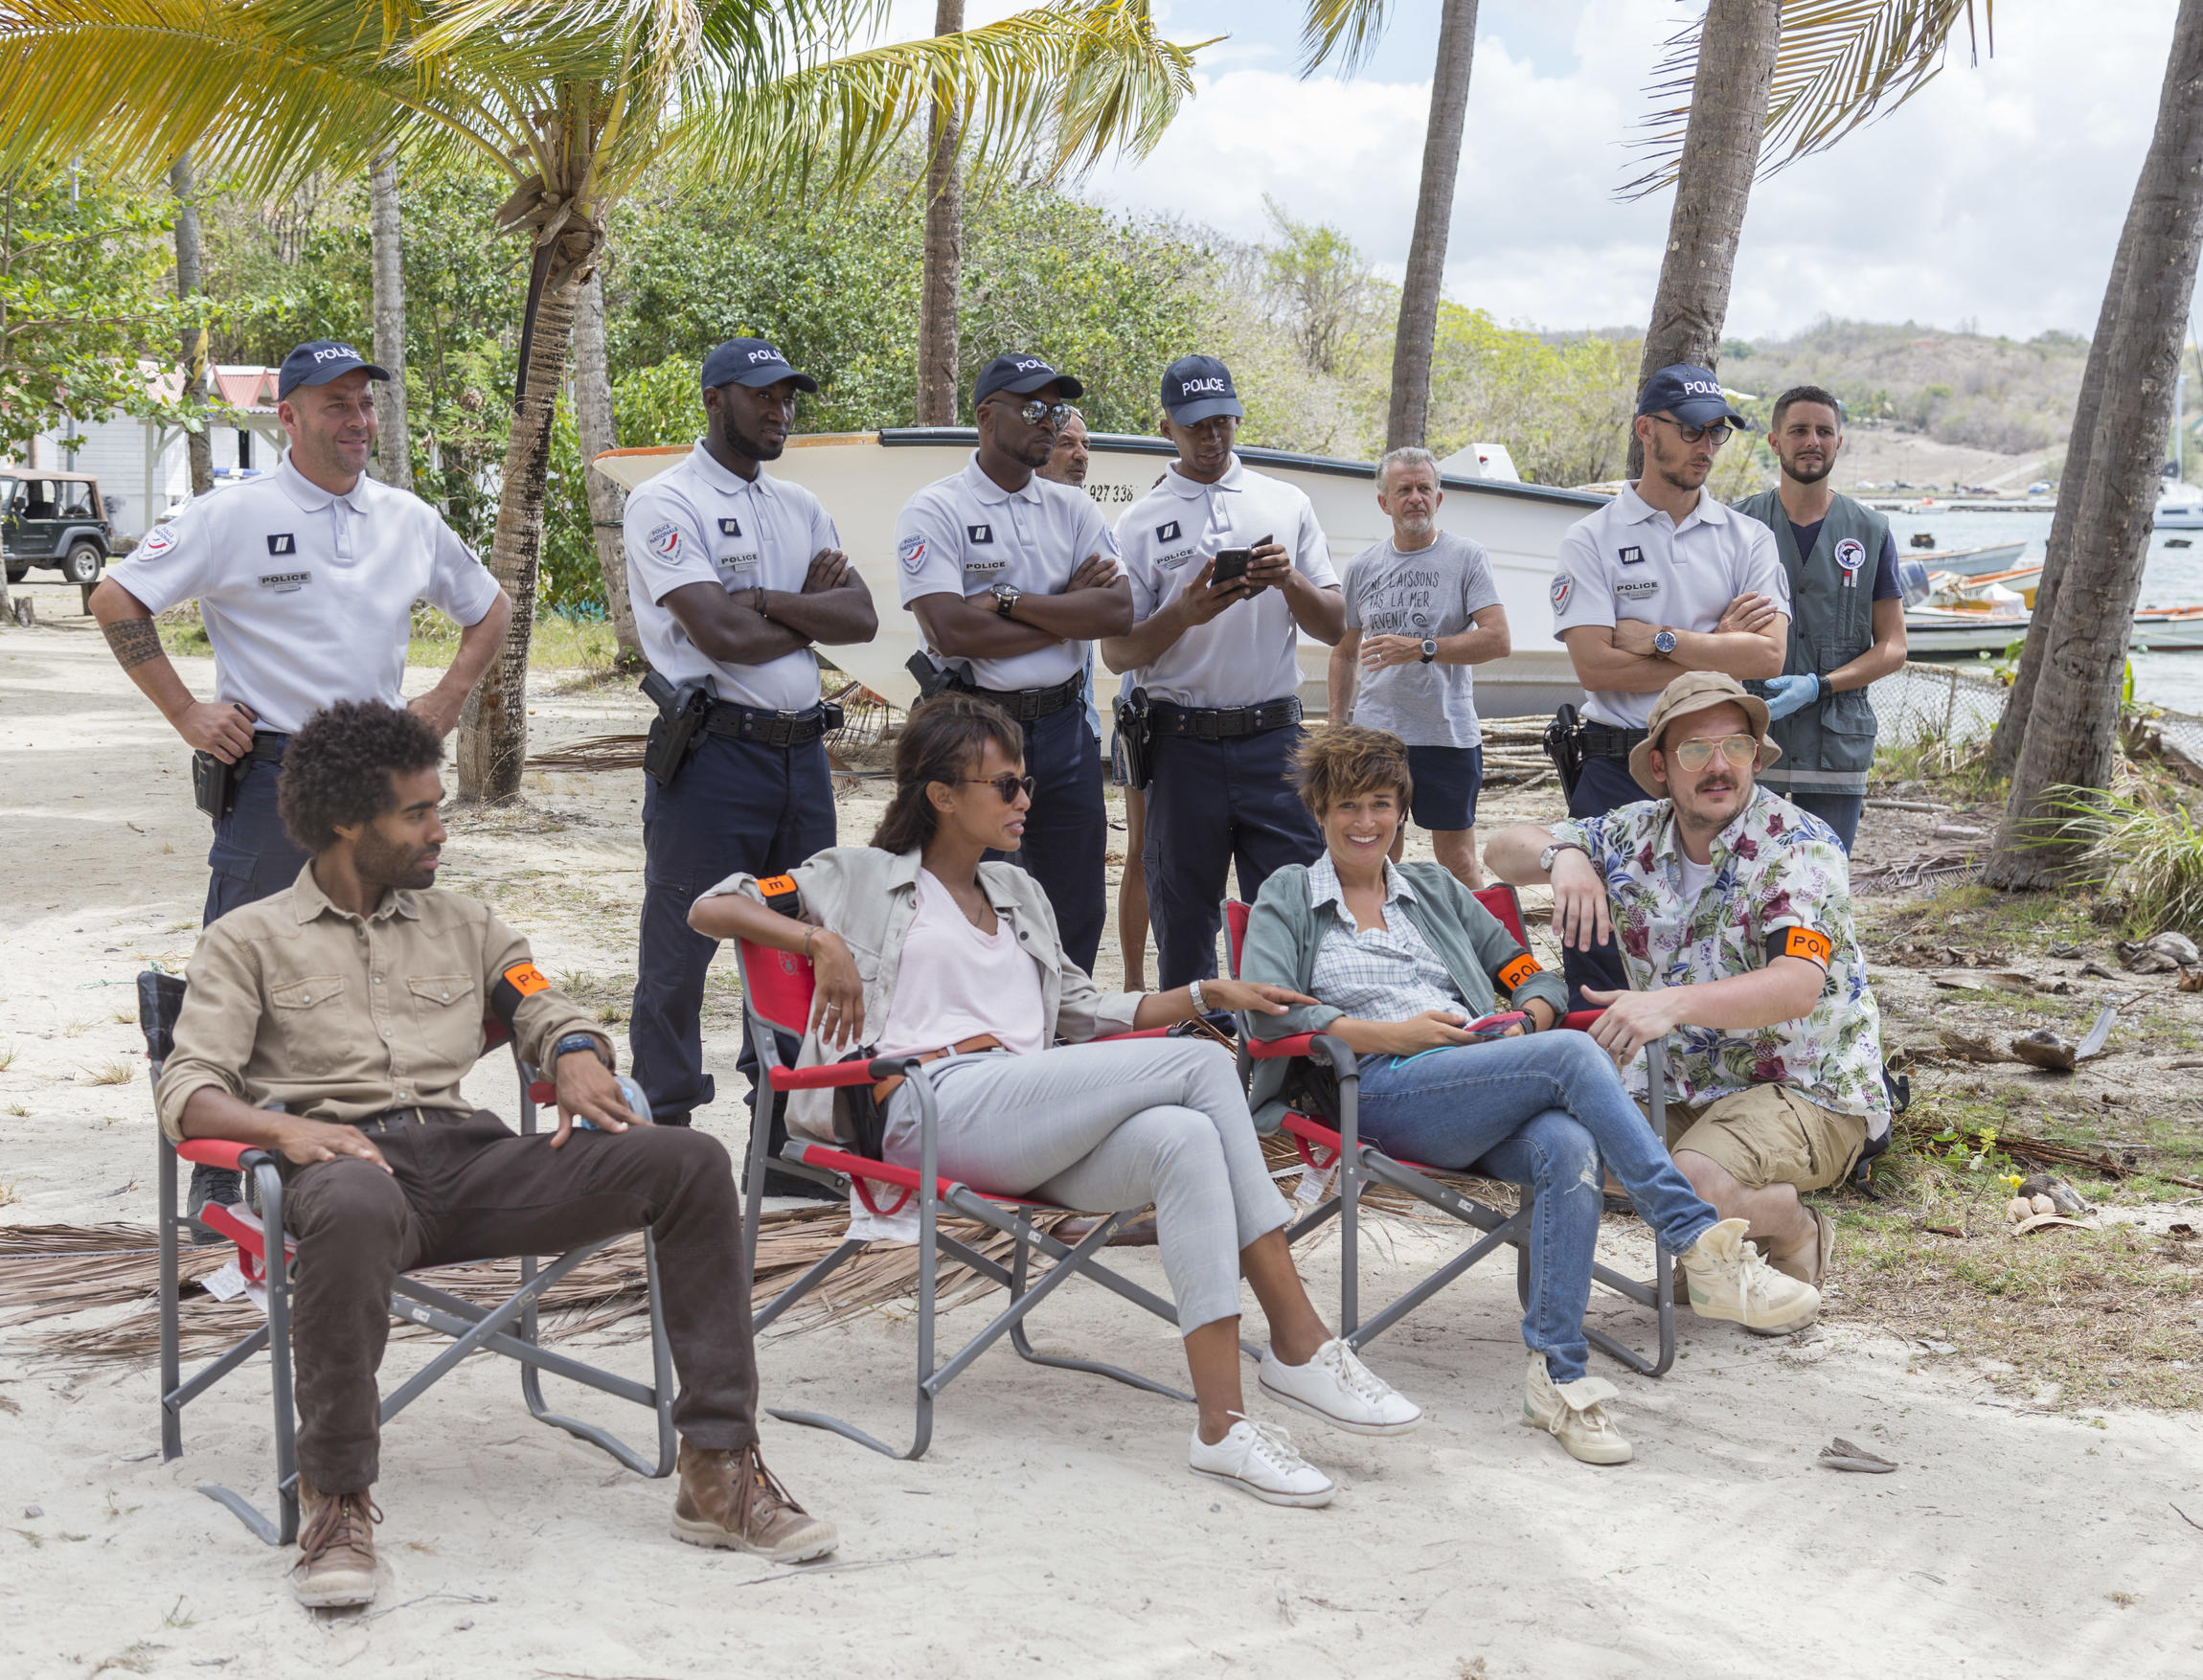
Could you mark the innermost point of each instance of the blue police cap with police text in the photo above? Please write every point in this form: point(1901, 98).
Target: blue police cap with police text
point(1198, 387)
point(1691, 394)
point(1021, 375)
point(318, 361)
point(751, 362)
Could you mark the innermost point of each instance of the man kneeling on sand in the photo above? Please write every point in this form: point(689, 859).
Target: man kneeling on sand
point(1734, 912)
point(355, 1001)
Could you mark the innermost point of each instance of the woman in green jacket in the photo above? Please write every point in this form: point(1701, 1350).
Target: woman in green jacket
point(1404, 963)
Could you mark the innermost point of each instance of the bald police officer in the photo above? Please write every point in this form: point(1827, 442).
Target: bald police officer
point(305, 579)
point(734, 576)
point(1216, 656)
point(1012, 577)
point(1661, 580)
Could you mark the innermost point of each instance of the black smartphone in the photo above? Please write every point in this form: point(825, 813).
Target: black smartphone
point(1230, 564)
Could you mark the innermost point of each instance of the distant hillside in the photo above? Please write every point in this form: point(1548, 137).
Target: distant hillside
point(1959, 388)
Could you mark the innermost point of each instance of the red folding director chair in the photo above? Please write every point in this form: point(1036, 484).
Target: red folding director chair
point(777, 988)
point(509, 1328)
point(1323, 1147)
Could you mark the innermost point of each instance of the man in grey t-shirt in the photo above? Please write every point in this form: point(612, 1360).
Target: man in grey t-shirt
point(1422, 609)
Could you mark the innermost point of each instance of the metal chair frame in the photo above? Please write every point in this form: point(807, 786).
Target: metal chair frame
point(509, 1329)
point(1358, 1164)
point(776, 988)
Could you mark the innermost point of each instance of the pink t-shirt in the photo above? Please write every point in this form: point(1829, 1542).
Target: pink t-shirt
point(955, 983)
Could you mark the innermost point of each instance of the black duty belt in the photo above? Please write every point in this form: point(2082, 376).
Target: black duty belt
point(268, 748)
point(1029, 705)
point(1221, 722)
point(772, 729)
point(1602, 742)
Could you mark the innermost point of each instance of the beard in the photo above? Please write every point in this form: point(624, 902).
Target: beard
point(386, 863)
point(756, 448)
point(1804, 474)
point(1415, 524)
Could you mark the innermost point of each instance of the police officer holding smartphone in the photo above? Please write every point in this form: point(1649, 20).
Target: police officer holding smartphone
point(734, 576)
point(305, 579)
point(1011, 578)
point(1227, 566)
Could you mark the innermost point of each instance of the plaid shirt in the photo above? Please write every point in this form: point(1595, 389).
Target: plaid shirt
point(1378, 974)
point(1774, 867)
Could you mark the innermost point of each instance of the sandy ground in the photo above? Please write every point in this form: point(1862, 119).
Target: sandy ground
point(1053, 1521)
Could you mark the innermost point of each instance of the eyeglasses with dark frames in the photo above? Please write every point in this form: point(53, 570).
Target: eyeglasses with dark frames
point(1717, 433)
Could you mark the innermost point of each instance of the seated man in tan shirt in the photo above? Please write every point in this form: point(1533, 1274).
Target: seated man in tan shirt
point(356, 1000)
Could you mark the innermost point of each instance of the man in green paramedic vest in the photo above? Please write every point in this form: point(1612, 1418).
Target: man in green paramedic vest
point(1847, 616)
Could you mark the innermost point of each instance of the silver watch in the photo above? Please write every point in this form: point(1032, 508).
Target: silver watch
point(1546, 858)
point(1006, 598)
point(1199, 1008)
point(1429, 650)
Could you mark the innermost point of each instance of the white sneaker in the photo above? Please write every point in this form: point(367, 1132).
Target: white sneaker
point(1338, 1388)
point(1575, 1415)
point(1730, 1279)
point(1259, 1458)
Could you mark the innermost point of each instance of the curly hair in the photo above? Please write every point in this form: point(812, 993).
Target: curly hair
point(338, 766)
point(1342, 760)
point(943, 738)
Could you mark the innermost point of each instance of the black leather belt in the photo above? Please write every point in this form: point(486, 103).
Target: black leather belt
point(772, 729)
point(267, 747)
point(1221, 722)
point(1602, 742)
point(1028, 705)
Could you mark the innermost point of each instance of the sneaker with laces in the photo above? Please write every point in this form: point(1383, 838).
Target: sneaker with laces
point(1260, 1459)
point(336, 1568)
point(1338, 1388)
point(1730, 1279)
point(218, 1185)
point(1575, 1415)
point(728, 1499)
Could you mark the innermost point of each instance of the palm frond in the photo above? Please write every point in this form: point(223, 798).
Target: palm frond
point(1341, 34)
point(1841, 64)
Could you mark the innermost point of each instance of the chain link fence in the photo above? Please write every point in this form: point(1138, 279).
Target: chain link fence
point(1953, 709)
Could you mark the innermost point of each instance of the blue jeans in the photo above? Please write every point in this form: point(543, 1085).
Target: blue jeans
point(1543, 1111)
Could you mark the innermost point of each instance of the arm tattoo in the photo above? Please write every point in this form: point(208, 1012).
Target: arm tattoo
point(135, 640)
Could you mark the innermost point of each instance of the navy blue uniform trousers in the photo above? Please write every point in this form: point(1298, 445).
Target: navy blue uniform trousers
point(251, 857)
point(1605, 785)
point(1214, 805)
point(1067, 829)
point(735, 805)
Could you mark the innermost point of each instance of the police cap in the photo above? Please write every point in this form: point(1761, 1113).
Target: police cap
point(1198, 387)
point(751, 362)
point(1691, 395)
point(1021, 375)
point(318, 361)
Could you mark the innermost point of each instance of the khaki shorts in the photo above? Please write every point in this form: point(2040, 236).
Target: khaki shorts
point(1771, 1135)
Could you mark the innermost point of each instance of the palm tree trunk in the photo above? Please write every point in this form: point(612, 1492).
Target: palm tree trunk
point(1737, 46)
point(607, 501)
point(493, 729)
point(199, 446)
point(2004, 747)
point(944, 254)
point(1413, 339)
point(2073, 730)
point(394, 453)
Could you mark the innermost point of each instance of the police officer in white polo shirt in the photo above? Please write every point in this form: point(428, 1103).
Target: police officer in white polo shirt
point(734, 576)
point(1011, 578)
point(305, 579)
point(1661, 580)
point(1216, 661)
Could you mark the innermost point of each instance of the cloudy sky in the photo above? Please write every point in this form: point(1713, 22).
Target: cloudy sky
point(1995, 196)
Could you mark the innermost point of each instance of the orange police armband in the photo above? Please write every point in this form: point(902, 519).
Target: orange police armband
point(781, 894)
point(1518, 971)
point(1800, 942)
point(514, 987)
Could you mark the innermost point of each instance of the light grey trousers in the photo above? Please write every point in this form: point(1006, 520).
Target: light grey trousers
point(1108, 1127)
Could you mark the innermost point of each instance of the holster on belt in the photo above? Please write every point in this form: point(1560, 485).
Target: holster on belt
point(1133, 736)
point(682, 713)
point(932, 679)
point(1564, 746)
point(215, 784)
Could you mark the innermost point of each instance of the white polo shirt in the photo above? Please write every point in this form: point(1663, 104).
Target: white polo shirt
point(307, 596)
point(1630, 561)
point(700, 523)
point(962, 533)
point(1244, 655)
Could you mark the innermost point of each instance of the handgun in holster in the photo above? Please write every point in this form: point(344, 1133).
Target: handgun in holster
point(682, 713)
point(215, 784)
point(1564, 746)
point(1133, 736)
point(932, 679)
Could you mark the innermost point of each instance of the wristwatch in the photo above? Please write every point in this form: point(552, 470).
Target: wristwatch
point(1429, 650)
point(1200, 1006)
point(1664, 643)
point(1545, 858)
point(574, 1041)
point(1006, 599)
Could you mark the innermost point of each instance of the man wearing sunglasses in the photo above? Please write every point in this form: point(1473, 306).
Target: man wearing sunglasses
point(1731, 910)
point(1661, 580)
point(1012, 577)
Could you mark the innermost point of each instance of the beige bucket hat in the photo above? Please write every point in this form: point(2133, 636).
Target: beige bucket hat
point(1697, 690)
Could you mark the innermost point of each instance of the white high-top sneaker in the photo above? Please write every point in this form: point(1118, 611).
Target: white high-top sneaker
point(1730, 1279)
point(1575, 1415)
point(1259, 1459)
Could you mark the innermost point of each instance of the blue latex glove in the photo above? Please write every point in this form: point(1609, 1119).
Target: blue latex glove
point(1787, 694)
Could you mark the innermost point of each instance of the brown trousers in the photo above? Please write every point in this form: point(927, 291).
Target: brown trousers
point(464, 1187)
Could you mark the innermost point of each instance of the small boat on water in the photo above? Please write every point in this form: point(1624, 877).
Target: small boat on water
point(2179, 507)
point(1964, 631)
point(1968, 562)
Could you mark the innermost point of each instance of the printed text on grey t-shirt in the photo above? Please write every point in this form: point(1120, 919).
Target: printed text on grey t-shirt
point(1431, 592)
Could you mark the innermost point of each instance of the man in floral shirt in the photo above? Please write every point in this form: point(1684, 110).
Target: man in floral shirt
point(1732, 911)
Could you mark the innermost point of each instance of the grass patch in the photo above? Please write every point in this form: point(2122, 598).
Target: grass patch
point(113, 1073)
point(557, 644)
point(9, 1194)
point(6, 1058)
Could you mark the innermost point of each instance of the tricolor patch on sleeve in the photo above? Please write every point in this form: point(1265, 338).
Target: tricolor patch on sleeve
point(1800, 942)
point(1518, 971)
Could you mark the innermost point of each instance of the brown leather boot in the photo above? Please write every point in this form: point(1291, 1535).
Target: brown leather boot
point(730, 1499)
point(336, 1547)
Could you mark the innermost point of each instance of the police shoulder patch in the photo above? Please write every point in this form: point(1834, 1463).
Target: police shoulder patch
point(911, 552)
point(1563, 586)
point(156, 543)
point(664, 539)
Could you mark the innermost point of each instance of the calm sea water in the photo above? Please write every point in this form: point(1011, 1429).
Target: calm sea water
point(2174, 578)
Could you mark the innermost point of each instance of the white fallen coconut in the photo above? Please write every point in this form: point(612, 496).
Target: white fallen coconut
point(2018, 1208)
point(2042, 1204)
